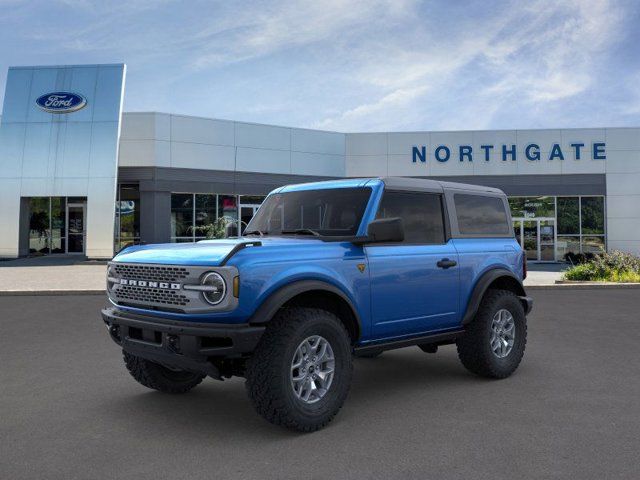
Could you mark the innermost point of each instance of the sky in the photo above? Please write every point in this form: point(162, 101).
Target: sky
point(351, 66)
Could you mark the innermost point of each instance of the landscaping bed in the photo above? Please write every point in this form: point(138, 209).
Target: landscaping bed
point(613, 267)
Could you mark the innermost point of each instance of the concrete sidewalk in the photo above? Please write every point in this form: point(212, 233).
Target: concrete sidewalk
point(52, 275)
point(74, 275)
point(542, 274)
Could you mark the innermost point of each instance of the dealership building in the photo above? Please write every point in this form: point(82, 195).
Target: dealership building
point(80, 176)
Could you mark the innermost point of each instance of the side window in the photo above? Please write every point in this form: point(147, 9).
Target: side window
point(481, 215)
point(421, 214)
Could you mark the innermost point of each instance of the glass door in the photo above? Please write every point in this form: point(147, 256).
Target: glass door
point(75, 227)
point(547, 236)
point(537, 237)
point(530, 239)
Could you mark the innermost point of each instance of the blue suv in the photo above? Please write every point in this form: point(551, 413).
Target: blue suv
point(324, 272)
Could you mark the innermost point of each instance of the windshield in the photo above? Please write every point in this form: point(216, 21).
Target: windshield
point(326, 212)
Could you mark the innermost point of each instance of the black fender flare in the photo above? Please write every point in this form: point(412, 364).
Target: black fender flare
point(277, 299)
point(482, 285)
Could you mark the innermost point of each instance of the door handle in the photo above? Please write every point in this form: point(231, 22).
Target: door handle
point(446, 263)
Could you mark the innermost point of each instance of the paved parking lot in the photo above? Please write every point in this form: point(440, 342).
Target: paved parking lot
point(68, 408)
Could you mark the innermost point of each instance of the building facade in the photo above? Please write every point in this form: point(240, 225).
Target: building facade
point(570, 190)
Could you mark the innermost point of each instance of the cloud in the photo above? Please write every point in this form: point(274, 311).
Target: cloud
point(552, 56)
point(400, 98)
point(544, 53)
point(286, 25)
point(349, 65)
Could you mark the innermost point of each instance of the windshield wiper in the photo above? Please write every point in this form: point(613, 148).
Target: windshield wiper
point(254, 232)
point(302, 231)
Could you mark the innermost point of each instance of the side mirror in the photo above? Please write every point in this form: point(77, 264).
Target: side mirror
point(384, 230)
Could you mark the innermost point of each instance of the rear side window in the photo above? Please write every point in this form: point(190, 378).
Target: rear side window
point(421, 214)
point(481, 215)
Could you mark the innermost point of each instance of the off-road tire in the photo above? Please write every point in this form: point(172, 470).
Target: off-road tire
point(157, 377)
point(474, 348)
point(268, 374)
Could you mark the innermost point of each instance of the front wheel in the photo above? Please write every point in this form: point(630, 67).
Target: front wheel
point(299, 375)
point(158, 377)
point(494, 342)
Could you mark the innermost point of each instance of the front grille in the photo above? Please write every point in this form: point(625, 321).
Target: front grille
point(143, 295)
point(154, 286)
point(150, 296)
point(154, 273)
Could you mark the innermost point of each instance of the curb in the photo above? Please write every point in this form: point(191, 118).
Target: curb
point(23, 293)
point(585, 286)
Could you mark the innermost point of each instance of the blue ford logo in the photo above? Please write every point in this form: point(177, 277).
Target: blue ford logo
point(61, 102)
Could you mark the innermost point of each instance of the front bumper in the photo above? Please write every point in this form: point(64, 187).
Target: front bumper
point(187, 346)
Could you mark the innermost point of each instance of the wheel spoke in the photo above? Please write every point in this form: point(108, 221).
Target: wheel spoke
point(322, 351)
point(312, 369)
point(503, 333)
point(308, 350)
point(309, 388)
point(325, 377)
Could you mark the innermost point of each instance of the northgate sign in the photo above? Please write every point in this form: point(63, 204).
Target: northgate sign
point(532, 152)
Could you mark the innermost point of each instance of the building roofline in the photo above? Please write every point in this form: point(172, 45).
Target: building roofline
point(229, 120)
point(374, 132)
point(492, 130)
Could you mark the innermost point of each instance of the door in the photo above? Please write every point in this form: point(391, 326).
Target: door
point(410, 292)
point(530, 239)
point(537, 238)
point(76, 228)
point(547, 230)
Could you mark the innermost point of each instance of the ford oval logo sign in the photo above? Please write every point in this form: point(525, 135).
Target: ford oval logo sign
point(61, 102)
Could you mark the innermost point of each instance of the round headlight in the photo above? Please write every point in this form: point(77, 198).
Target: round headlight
point(216, 288)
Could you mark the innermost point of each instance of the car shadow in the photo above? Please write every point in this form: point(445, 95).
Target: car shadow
point(215, 409)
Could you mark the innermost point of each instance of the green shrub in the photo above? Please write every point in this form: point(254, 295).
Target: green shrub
point(217, 229)
point(615, 266)
point(582, 271)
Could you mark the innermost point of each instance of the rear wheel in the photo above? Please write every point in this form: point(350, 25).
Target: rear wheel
point(494, 342)
point(299, 375)
point(157, 377)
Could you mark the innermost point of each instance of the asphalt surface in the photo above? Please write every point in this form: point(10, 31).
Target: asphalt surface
point(68, 408)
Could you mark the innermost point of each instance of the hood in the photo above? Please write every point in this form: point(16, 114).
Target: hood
point(206, 252)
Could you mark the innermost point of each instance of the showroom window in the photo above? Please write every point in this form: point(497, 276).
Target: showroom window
point(191, 212)
point(57, 225)
point(568, 226)
point(182, 217)
point(579, 224)
point(127, 226)
point(41, 238)
point(592, 224)
point(532, 207)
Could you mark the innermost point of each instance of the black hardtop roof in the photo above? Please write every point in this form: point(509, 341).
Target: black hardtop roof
point(429, 185)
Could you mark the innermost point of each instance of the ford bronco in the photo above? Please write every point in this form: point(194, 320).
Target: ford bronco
point(324, 272)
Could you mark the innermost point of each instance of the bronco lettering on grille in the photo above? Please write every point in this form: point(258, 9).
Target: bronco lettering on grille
point(150, 284)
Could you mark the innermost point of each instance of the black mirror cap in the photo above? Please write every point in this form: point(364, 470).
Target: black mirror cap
point(385, 230)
